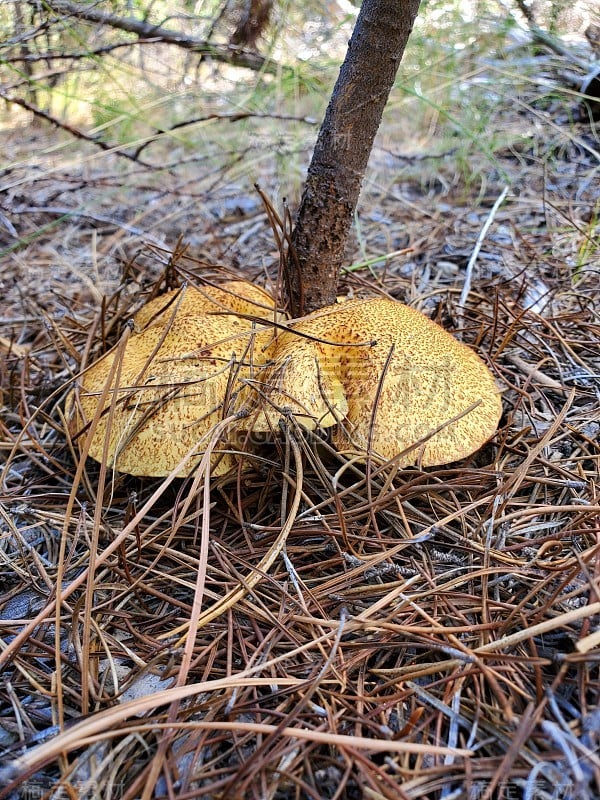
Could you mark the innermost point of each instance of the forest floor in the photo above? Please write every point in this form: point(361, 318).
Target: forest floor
point(428, 633)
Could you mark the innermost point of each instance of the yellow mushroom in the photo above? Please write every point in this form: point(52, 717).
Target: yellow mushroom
point(241, 297)
point(177, 370)
point(393, 382)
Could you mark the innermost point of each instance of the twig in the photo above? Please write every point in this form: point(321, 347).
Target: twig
point(63, 211)
point(478, 244)
point(79, 55)
point(76, 132)
point(227, 54)
point(232, 117)
point(543, 37)
point(534, 373)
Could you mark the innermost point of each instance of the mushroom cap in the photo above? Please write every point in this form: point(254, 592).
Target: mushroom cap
point(303, 379)
point(394, 382)
point(176, 371)
point(240, 297)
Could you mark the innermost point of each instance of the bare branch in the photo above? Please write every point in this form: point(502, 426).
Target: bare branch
point(103, 219)
point(76, 132)
point(75, 56)
point(231, 117)
point(227, 54)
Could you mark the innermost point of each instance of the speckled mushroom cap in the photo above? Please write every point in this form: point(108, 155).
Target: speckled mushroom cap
point(238, 296)
point(396, 384)
point(176, 371)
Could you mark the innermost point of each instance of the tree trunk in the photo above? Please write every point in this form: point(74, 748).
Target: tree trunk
point(342, 151)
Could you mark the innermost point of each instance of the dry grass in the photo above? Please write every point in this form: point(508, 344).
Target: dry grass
point(423, 634)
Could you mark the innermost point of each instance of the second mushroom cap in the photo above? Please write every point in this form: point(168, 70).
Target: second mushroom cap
point(391, 381)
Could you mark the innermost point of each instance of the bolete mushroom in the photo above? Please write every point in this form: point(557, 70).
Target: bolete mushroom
point(391, 381)
point(178, 367)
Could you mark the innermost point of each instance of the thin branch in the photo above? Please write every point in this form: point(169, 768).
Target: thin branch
point(227, 54)
point(478, 244)
point(543, 37)
point(231, 117)
point(76, 56)
point(64, 211)
point(552, 43)
point(76, 132)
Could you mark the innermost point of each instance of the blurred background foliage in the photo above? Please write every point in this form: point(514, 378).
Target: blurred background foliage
point(160, 83)
point(124, 86)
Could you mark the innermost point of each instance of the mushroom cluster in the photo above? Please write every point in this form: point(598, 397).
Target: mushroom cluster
point(387, 380)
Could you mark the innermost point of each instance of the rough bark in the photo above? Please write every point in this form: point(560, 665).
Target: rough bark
point(342, 151)
point(252, 24)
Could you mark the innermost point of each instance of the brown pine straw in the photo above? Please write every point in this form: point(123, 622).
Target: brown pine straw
point(407, 554)
point(312, 626)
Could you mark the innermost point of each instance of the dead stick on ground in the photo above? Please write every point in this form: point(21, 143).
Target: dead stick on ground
point(478, 244)
point(534, 373)
point(542, 627)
